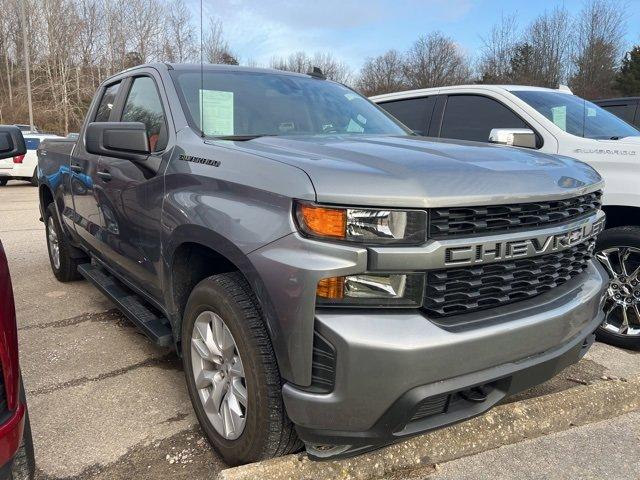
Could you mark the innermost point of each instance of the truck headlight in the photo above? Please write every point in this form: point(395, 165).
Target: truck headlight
point(372, 290)
point(362, 225)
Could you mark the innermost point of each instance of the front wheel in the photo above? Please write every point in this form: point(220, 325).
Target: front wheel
point(3, 181)
point(618, 250)
point(232, 375)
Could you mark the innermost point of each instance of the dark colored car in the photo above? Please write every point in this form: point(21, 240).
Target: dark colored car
point(16, 445)
point(627, 108)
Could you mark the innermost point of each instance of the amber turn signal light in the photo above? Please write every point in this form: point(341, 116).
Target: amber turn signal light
point(331, 288)
point(322, 221)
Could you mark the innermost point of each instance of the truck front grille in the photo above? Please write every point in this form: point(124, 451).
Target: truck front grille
point(493, 219)
point(457, 291)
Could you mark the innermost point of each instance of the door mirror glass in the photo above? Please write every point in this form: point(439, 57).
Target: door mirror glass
point(514, 137)
point(11, 142)
point(118, 139)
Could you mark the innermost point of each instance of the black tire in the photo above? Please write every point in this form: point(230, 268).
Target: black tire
point(34, 178)
point(628, 236)
point(268, 432)
point(3, 181)
point(67, 270)
point(24, 463)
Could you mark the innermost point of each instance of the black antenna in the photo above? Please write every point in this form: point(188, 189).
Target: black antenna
point(201, 77)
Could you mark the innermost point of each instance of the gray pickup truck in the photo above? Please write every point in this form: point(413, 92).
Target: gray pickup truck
point(328, 277)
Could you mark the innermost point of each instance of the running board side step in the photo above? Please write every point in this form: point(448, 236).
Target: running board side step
point(152, 325)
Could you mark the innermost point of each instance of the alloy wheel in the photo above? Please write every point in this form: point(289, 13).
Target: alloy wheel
point(622, 300)
point(219, 375)
point(54, 245)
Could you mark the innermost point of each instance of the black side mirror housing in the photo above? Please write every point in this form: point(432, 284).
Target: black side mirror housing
point(11, 142)
point(126, 140)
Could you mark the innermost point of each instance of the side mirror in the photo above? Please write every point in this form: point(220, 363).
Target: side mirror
point(118, 139)
point(11, 142)
point(514, 137)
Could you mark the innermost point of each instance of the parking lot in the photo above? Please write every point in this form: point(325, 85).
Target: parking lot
point(106, 403)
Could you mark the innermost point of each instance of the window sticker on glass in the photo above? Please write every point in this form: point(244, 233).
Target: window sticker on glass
point(354, 127)
point(591, 112)
point(559, 115)
point(216, 117)
point(350, 96)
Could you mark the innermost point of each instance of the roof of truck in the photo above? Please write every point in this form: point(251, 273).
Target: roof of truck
point(423, 92)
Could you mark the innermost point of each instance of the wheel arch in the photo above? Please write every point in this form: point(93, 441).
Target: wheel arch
point(195, 253)
point(621, 215)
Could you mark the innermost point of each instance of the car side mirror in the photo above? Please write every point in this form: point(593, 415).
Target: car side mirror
point(126, 140)
point(11, 142)
point(514, 137)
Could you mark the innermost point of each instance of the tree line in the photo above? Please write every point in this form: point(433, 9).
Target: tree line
point(74, 44)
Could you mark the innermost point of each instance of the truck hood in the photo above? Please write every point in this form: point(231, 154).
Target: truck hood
point(419, 172)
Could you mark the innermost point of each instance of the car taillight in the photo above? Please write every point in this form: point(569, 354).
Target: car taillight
point(8, 335)
point(18, 159)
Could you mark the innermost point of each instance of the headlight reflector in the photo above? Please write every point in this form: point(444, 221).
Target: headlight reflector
point(363, 225)
point(379, 290)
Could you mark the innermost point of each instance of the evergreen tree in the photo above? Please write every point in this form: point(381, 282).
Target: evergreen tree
point(628, 78)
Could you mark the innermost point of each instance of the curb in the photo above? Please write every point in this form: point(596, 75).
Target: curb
point(503, 425)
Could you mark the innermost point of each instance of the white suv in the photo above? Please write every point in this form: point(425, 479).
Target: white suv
point(552, 121)
point(23, 167)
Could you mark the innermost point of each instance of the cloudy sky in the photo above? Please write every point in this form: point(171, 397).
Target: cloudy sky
point(353, 30)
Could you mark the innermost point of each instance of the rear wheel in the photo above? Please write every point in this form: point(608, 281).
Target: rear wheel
point(618, 250)
point(64, 266)
point(3, 181)
point(232, 375)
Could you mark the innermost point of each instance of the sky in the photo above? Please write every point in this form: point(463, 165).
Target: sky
point(353, 30)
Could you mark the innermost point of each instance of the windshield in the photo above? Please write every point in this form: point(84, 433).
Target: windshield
point(577, 116)
point(247, 104)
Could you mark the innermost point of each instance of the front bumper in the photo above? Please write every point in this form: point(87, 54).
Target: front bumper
point(392, 367)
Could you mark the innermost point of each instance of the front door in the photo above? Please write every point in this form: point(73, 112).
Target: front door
point(130, 193)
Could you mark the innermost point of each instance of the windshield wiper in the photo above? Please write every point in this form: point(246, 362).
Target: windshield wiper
point(240, 138)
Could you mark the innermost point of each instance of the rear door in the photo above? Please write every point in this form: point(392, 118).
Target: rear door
point(83, 172)
point(130, 194)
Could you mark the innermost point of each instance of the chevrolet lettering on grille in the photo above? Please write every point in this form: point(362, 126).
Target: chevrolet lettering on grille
point(494, 251)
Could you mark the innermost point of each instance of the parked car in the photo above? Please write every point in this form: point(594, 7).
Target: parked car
point(552, 121)
point(327, 276)
point(17, 460)
point(23, 167)
point(627, 108)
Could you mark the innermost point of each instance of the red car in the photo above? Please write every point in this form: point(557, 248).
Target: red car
point(16, 445)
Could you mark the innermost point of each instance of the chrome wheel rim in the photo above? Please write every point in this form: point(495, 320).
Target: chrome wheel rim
point(622, 300)
point(54, 246)
point(219, 375)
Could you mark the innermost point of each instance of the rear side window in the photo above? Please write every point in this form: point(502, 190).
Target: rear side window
point(144, 105)
point(623, 111)
point(32, 143)
point(107, 102)
point(471, 117)
point(415, 113)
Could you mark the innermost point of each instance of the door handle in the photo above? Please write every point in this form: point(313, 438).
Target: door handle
point(105, 175)
point(76, 168)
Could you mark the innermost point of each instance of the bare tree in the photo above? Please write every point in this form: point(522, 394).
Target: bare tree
point(179, 34)
point(215, 47)
point(550, 38)
point(497, 51)
point(435, 60)
point(382, 74)
point(599, 47)
point(300, 62)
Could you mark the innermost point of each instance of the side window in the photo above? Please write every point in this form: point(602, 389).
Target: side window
point(471, 117)
point(144, 105)
point(106, 103)
point(415, 113)
point(624, 111)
